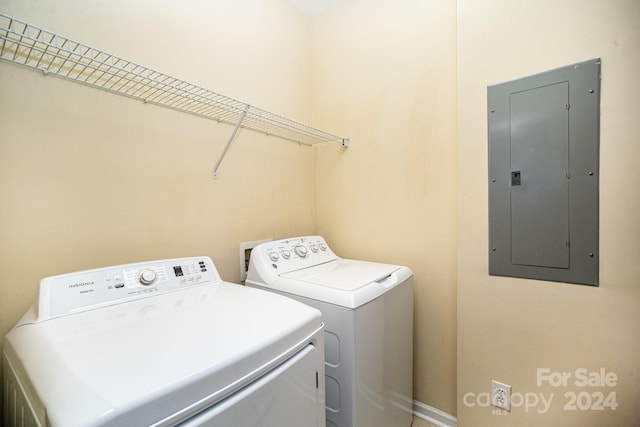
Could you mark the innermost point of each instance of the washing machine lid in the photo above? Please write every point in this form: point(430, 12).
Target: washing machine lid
point(307, 267)
point(155, 360)
point(345, 282)
point(343, 274)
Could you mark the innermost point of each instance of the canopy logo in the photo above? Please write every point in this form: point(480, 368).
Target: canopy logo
point(594, 392)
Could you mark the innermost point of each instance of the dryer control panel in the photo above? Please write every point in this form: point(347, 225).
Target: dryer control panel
point(86, 290)
point(272, 259)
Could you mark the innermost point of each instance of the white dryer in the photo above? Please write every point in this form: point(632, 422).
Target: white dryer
point(163, 343)
point(367, 310)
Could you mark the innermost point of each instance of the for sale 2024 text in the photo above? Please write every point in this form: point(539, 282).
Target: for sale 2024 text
point(586, 400)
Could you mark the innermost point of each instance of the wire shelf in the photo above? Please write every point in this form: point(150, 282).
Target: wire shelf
point(28, 45)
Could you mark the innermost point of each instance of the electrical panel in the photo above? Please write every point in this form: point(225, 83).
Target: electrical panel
point(544, 174)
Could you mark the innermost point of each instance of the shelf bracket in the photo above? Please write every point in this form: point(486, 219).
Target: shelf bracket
point(231, 138)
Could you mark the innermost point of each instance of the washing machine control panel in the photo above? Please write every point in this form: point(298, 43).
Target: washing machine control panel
point(283, 256)
point(85, 290)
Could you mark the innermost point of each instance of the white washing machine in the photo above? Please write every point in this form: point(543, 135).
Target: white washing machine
point(367, 310)
point(163, 343)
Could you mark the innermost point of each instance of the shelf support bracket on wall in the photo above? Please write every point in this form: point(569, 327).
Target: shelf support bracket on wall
point(231, 138)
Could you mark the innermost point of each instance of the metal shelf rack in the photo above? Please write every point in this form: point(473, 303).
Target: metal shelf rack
point(39, 49)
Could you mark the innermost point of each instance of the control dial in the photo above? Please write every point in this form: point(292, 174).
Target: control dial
point(314, 247)
point(274, 256)
point(323, 247)
point(286, 254)
point(147, 277)
point(301, 251)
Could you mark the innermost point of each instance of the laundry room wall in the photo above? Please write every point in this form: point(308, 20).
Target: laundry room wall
point(91, 179)
point(509, 329)
point(385, 72)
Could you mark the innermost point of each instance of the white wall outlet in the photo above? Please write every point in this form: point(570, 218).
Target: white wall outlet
point(245, 254)
point(501, 395)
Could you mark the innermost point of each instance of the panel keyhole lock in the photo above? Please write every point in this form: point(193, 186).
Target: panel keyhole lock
point(515, 178)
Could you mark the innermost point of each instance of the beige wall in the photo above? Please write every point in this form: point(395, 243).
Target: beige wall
point(89, 179)
point(384, 74)
point(508, 328)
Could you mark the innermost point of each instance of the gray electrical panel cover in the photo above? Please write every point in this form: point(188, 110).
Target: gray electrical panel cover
point(543, 175)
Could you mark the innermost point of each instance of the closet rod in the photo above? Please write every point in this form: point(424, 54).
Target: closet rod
point(40, 49)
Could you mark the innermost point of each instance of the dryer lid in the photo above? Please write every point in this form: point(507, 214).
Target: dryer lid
point(157, 359)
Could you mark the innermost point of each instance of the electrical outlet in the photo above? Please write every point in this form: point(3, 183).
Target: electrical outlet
point(501, 395)
point(245, 254)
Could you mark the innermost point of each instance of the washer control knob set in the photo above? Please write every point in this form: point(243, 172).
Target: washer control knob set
point(294, 252)
point(147, 277)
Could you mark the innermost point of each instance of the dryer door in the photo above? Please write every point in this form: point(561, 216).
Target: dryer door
point(291, 395)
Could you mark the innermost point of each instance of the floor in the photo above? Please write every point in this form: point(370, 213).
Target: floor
point(418, 422)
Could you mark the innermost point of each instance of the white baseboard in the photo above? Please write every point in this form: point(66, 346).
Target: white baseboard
point(433, 415)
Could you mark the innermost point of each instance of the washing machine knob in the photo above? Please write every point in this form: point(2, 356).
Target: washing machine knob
point(286, 254)
point(147, 277)
point(314, 247)
point(274, 256)
point(301, 251)
point(323, 246)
